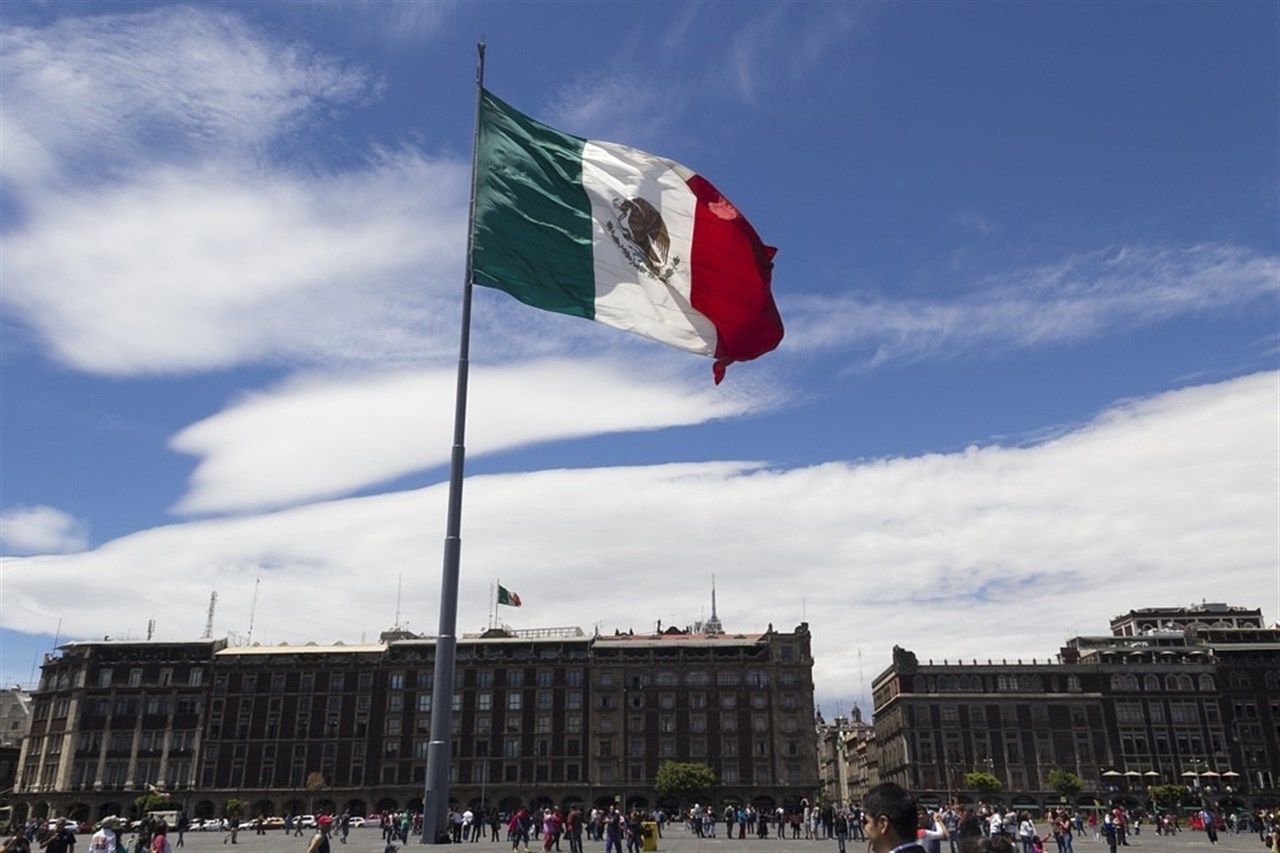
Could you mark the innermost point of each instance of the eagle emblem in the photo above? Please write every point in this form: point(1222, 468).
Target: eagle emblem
point(639, 232)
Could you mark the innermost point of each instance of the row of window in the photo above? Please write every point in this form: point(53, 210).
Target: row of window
point(1128, 683)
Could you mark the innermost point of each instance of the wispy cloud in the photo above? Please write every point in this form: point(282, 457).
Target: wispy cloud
point(1109, 511)
point(1080, 297)
point(88, 97)
point(234, 267)
point(148, 176)
point(396, 22)
point(323, 437)
point(41, 530)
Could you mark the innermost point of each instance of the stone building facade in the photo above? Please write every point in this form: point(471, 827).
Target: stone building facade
point(539, 717)
point(1172, 695)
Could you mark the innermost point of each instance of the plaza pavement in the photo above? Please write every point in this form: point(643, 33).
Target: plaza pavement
point(676, 839)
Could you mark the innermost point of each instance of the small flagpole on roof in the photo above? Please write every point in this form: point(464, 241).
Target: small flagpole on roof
point(435, 801)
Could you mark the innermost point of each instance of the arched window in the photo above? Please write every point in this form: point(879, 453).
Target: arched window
point(1151, 683)
point(1185, 683)
point(1171, 682)
point(1206, 683)
point(1117, 682)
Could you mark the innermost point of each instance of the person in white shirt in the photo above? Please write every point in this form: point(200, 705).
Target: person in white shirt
point(104, 840)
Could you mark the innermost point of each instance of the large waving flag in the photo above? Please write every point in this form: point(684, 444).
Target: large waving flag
point(603, 231)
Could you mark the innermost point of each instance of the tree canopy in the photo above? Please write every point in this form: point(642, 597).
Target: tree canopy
point(985, 784)
point(1065, 782)
point(684, 780)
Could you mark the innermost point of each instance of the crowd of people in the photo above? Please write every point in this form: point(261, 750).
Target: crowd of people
point(888, 820)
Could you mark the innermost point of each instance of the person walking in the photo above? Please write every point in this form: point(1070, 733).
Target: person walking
point(320, 841)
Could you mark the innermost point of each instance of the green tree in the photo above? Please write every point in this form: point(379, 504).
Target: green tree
point(232, 807)
point(1168, 796)
point(985, 784)
point(1065, 782)
point(684, 780)
point(152, 801)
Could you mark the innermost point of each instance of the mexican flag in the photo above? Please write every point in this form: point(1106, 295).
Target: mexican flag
point(507, 597)
point(603, 231)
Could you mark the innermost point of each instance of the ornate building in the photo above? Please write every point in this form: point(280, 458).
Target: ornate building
point(542, 716)
point(1173, 695)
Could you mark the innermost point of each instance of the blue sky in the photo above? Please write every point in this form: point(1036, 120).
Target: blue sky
point(1028, 264)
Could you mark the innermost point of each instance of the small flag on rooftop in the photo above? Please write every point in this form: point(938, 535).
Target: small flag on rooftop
point(507, 597)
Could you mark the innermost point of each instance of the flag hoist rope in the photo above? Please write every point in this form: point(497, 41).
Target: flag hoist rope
point(435, 802)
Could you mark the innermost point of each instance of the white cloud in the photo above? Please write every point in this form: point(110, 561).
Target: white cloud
point(1077, 298)
point(41, 530)
point(1158, 501)
point(322, 437)
point(175, 83)
point(189, 270)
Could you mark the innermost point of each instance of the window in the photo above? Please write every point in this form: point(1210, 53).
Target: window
point(515, 678)
point(728, 678)
point(484, 701)
point(135, 678)
point(514, 700)
point(1129, 712)
point(424, 702)
point(545, 678)
point(395, 681)
point(728, 700)
point(336, 681)
point(545, 698)
point(573, 699)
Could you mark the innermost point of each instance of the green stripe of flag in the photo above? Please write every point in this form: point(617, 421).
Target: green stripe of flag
point(532, 232)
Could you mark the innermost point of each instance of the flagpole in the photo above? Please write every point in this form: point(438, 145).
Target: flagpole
point(435, 801)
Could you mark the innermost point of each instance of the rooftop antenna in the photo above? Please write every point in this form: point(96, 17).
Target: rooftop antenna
point(399, 582)
point(713, 626)
point(862, 680)
point(57, 634)
point(151, 628)
point(208, 622)
point(253, 610)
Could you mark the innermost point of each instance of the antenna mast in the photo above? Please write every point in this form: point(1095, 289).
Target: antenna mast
point(253, 609)
point(208, 622)
point(399, 582)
